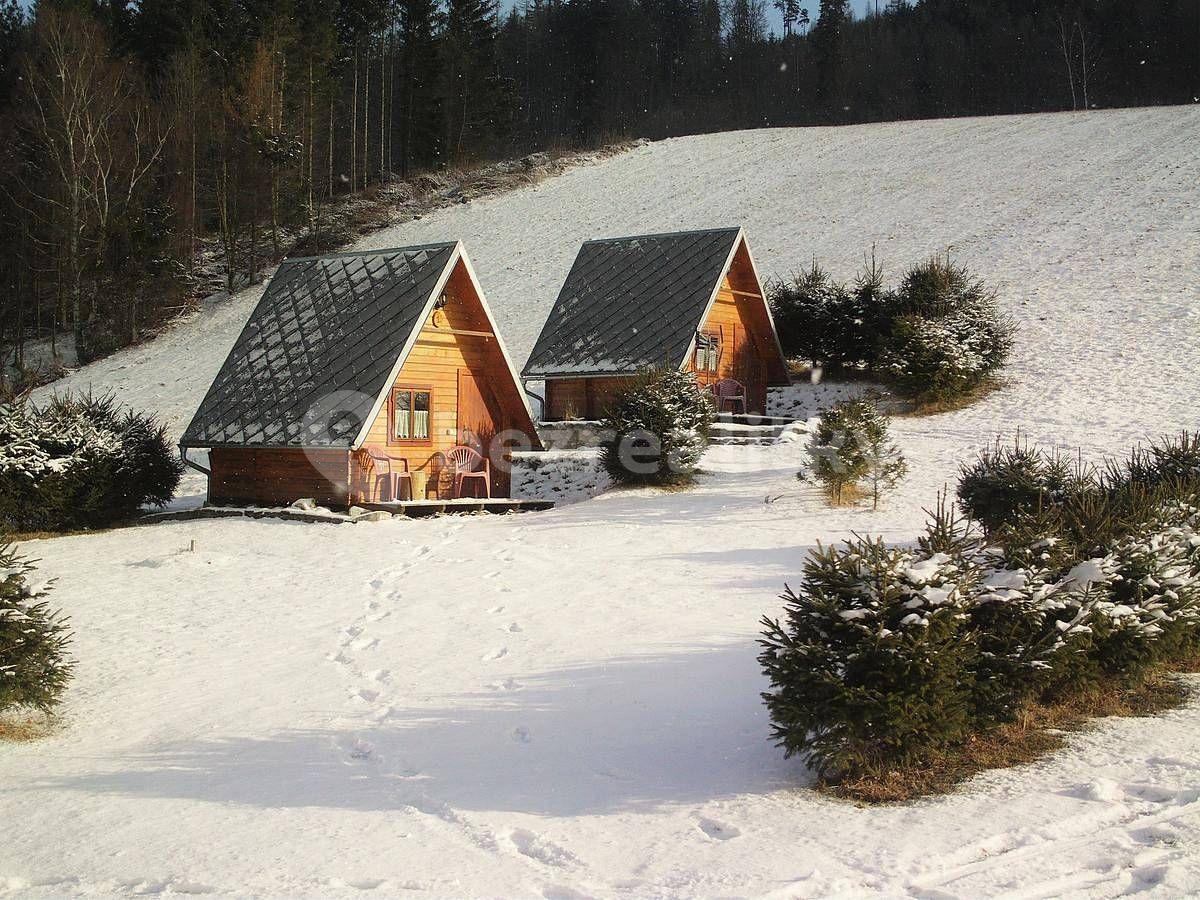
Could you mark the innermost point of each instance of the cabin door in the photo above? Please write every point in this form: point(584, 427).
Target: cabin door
point(479, 421)
point(749, 368)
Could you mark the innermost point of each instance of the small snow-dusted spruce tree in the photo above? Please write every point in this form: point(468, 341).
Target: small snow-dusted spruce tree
point(657, 430)
point(870, 668)
point(1011, 479)
point(852, 447)
point(34, 665)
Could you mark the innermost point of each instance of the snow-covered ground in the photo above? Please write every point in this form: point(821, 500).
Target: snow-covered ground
point(564, 704)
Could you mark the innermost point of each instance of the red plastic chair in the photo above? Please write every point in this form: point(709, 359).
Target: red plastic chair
point(385, 475)
point(470, 464)
point(729, 390)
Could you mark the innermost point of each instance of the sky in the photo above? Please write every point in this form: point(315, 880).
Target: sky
point(813, 6)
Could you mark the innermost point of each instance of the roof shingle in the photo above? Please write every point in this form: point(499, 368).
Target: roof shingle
point(325, 326)
point(631, 302)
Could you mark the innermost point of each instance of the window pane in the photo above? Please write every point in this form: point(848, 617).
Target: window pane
point(708, 352)
point(421, 415)
point(403, 405)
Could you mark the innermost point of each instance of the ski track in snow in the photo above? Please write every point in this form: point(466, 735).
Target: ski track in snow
point(565, 704)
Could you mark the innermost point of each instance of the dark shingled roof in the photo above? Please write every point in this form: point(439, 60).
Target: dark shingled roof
point(631, 302)
point(326, 327)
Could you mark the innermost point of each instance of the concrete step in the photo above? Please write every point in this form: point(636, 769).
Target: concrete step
point(739, 419)
point(767, 431)
point(722, 441)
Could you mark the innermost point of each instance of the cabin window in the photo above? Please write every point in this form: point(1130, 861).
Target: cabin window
point(708, 351)
point(410, 414)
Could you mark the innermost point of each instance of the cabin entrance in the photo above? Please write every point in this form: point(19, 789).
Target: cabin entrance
point(479, 421)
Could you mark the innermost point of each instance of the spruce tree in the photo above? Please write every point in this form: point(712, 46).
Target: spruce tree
point(421, 126)
point(827, 47)
point(851, 446)
point(869, 670)
point(473, 98)
point(34, 664)
point(656, 431)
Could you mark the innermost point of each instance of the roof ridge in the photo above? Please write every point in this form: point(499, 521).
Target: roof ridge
point(729, 229)
point(439, 245)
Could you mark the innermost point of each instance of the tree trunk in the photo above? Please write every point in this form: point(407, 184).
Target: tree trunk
point(75, 276)
point(354, 123)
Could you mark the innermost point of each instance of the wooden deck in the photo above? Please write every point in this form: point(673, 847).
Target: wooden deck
point(418, 508)
point(410, 508)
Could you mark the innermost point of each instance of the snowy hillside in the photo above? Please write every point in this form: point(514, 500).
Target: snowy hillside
point(565, 704)
point(1095, 208)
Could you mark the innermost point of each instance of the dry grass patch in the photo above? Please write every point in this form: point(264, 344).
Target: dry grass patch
point(1040, 729)
point(20, 537)
point(845, 495)
point(20, 727)
point(955, 403)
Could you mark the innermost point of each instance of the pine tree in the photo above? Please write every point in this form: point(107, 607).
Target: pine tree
point(34, 664)
point(827, 46)
point(886, 466)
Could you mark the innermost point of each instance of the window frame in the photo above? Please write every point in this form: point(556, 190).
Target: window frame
point(413, 390)
point(708, 340)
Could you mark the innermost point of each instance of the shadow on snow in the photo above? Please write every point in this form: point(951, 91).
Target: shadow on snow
point(631, 734)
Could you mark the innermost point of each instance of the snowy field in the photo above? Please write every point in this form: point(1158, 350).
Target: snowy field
point(564, 704)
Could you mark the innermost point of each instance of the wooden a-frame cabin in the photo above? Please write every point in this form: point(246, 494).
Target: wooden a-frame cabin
point(391, 351)
point(689, 299)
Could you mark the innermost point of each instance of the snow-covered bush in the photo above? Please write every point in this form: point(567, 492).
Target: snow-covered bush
point(1152, 611)
point(657, 429)
point(937, 337)
point(34, 665)
point(945, 333)
point(826, 322)
point(1105, 555)
point(80, 462)
point(888, 653)
point(871, 666)
point(1005, 612)
point(852, 448)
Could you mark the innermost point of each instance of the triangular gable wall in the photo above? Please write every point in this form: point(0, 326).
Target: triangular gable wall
point(740, 279)
point(460, 336)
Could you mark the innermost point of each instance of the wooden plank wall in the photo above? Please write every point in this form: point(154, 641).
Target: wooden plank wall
point(434, 363)
point(243, 476)
point(581, 398)
point(748, 349)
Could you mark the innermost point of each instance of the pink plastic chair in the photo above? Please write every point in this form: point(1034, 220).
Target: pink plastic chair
point(384, 474)
point(729, 390)
point(470, 464)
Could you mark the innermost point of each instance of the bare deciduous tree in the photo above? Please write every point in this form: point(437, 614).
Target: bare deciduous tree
point(97, 141)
